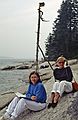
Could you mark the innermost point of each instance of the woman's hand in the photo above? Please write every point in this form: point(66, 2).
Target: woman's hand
point(33, 98)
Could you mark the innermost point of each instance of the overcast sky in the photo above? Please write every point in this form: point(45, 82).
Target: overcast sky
point(18, 26)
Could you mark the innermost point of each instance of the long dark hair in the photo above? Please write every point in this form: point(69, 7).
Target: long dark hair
point(36, 73)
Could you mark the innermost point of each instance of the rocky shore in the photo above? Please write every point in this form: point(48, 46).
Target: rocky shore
point(66, 109)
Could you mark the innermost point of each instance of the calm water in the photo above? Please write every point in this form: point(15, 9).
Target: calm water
point(10, 80)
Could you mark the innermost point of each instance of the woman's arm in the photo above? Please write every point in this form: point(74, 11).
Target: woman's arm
point(41, 93)
point(28, 93)
point(69, 74)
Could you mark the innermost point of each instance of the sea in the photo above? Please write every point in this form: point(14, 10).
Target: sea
point(11, 79)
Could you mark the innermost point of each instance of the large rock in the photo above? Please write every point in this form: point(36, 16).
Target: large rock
point(63, 111)
point(8, 68)
point(67, 108)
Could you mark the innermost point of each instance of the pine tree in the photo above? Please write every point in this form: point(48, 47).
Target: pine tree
point(64, 38)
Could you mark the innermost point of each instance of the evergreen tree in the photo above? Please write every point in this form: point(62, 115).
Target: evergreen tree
point(64, 38)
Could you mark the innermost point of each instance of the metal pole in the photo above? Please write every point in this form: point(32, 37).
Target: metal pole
point(45, 58)
point(38, 32)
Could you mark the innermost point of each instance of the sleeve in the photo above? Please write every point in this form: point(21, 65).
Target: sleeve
point(69, 74)
point(28, 93)
point(54, 74)
point(41, 93)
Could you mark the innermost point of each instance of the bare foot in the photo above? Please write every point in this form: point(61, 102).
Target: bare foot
point(57, 97)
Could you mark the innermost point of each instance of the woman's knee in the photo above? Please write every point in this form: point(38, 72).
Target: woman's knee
point(56, 83)
point(63, 83)
point(16, 99)
point(22, 101)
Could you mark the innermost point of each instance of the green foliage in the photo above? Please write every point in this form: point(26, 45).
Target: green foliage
point(64, 38)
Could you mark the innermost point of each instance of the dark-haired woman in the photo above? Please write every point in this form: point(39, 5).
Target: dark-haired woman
point(35, 98)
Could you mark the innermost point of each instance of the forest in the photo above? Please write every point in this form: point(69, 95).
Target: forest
point(64, 37)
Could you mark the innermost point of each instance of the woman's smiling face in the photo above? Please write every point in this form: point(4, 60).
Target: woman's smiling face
point(34, 78)
point(60, 63)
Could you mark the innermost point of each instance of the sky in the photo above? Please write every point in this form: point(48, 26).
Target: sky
point(18, 26)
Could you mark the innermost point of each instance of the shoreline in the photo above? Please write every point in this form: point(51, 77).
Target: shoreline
point(45, 74)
